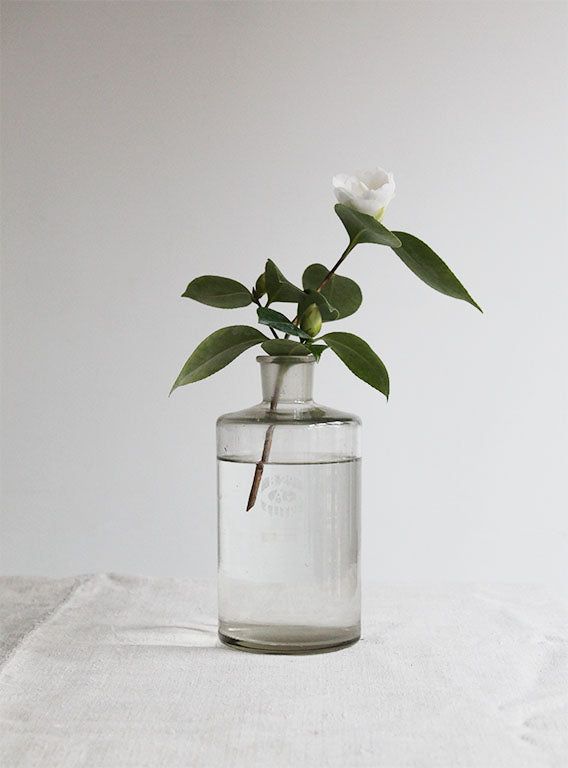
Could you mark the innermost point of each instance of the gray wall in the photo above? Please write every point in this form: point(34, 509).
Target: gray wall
point(147, 143)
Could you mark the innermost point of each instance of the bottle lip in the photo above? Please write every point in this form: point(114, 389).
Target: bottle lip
point(285, 359)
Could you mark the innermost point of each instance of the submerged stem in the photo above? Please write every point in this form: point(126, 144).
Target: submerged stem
point(259, 469)
point(267, 442)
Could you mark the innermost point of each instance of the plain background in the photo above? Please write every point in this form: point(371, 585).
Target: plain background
point(147, 143)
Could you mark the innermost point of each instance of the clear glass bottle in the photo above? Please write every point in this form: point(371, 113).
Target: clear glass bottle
point(288, 574)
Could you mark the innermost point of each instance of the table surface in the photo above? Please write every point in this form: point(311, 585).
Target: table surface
point(108, 670)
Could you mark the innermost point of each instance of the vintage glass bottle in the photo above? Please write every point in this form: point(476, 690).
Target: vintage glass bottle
point(288, 577)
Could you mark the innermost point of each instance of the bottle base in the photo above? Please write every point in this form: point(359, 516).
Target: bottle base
point(287, 640)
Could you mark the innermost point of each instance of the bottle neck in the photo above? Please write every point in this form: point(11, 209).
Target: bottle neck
point(287, 379)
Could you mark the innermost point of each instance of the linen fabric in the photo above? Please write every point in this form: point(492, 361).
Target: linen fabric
point(110, 671)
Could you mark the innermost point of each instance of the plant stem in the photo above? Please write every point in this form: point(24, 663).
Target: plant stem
point(330, 274)
point(267, 442)
point(336, 266)
point(259, 469)
point(257, 302)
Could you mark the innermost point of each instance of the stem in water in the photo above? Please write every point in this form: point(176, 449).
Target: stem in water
point(267, 442)
point(259, 469)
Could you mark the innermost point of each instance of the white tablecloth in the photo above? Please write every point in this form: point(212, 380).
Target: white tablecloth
point(109, 671)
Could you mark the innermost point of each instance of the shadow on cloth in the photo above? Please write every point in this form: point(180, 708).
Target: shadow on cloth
point(192, 636)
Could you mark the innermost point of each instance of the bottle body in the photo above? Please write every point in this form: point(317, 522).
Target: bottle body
point(288, 577)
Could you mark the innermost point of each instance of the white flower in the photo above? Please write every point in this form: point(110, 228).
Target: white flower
point(367, 191)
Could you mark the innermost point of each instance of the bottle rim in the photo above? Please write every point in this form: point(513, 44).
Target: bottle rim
point(285, 359)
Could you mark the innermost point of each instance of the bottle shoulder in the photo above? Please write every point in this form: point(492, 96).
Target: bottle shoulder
point(289, 413)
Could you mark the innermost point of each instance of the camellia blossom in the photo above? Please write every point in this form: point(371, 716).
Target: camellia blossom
point(366, 191)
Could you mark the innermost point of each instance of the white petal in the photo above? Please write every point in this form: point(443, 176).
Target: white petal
point(367, 206)
point(375, 178)
point(340, 180)
point(366, 191)
point(342, 196)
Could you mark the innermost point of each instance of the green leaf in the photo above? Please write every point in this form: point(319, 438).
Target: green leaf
point(363, 228)
point(310, 296)
point(430, 268)
point(284, 347)
point(360, 359)
point(317, 350)
point(218, 292)
point(341, 292)
point(280, 322)
point(277, 287)
point(217, 351)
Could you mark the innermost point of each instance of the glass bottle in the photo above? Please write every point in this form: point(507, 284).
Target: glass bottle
point(288, 575)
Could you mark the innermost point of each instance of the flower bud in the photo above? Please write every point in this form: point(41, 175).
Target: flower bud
point(260, 287)
point(311, 320)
